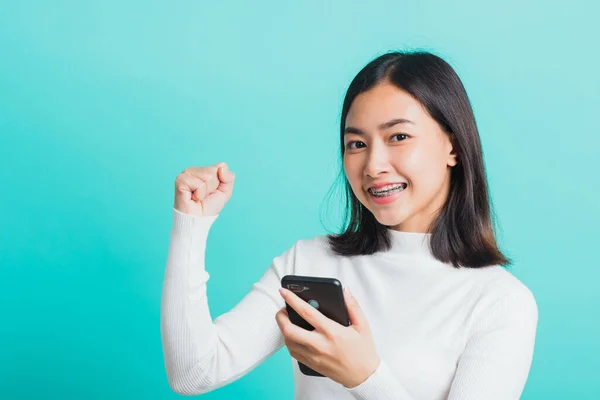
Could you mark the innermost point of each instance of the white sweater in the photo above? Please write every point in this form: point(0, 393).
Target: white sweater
point(440, 332)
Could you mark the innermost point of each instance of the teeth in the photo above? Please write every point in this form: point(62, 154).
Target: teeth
point(388, 188)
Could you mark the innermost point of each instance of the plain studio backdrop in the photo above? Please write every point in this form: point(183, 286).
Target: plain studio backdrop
point(102, 104)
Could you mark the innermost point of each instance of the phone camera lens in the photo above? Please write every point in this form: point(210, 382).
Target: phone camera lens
point(314, 303)
point(295, 288)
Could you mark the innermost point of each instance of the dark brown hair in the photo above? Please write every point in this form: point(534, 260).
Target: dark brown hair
point(462, 233)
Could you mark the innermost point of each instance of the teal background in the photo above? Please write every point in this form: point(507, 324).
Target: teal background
point(102, 104)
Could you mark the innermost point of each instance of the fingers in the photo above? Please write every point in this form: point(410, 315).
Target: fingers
point(300, 352)
point(190, 186)
point(306, 311)
point(197, 183)
point(357, 317)
point(200, 181)
point(207, 175)
point(304, 346)
point(294, 334)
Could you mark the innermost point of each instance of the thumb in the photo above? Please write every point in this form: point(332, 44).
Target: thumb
point(357, 317)
point(226, 177)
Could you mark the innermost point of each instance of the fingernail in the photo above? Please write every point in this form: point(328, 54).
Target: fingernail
point(282, 291)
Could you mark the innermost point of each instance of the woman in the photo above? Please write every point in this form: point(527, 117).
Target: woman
point(434, 315)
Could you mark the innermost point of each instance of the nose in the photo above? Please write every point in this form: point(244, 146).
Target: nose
point(377, 161)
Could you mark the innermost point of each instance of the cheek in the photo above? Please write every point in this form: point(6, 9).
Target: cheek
point(353, 174)
point(423, 170)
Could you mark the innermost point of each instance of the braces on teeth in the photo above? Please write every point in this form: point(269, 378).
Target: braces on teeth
point(381, 193)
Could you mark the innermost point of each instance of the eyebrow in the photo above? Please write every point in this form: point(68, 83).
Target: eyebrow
point(385, 125)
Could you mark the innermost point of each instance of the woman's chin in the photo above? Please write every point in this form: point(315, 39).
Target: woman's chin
point(389, 218)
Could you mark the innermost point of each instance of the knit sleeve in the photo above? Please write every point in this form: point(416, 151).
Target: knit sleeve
point(497, 357)
point(494, 364)
point(200, 354)
point(381, 385)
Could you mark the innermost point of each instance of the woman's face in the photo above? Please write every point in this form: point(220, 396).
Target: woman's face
point(415, 153)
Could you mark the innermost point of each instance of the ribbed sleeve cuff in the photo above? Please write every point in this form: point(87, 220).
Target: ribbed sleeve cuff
point(191, 225)
point(381, 385)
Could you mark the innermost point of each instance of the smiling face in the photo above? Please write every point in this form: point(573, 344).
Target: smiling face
point(390, 138)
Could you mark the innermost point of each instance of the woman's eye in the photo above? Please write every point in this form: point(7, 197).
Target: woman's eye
point(401, 134)
point(349, 145)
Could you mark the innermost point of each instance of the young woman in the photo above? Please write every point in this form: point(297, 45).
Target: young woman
point(434, 313)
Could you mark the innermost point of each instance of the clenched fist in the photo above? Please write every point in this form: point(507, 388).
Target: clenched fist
point(203, 191)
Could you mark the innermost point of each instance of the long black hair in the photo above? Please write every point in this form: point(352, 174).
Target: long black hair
point(462, 233)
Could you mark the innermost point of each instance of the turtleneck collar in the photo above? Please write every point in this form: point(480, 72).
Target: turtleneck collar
point(409, 242)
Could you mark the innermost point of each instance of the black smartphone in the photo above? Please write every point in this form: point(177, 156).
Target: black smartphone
point(324, 294)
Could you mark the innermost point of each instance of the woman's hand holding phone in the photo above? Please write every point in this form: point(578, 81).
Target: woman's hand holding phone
point(345, 354)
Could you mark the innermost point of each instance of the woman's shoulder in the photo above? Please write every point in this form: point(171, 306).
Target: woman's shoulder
point(313, 247)
point(497, 283)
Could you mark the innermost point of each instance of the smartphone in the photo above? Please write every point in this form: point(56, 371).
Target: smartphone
point(324, 294)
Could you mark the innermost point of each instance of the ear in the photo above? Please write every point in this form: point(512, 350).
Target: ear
point(452, 151)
